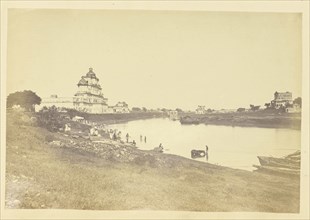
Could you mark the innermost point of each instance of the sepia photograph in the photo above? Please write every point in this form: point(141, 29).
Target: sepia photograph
point(150, 110)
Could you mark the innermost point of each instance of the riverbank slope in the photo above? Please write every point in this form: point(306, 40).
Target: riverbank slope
point(58, 170)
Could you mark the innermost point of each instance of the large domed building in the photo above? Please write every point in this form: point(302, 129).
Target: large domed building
point(89, 97)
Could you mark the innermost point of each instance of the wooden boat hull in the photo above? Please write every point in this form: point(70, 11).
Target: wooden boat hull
point(278, 162)
point(279, 170)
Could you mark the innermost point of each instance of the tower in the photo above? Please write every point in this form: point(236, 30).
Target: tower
point(89, 97)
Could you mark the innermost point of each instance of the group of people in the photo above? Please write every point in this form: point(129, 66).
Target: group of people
point(116, 136)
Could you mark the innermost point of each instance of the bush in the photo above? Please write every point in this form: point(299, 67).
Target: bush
point(241, 110)
point(50, 119)
point(49, 138)
point(146, 160)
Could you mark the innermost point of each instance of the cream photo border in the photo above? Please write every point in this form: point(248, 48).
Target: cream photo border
point(240, 6)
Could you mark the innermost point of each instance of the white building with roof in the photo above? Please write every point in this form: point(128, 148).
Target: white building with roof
point(201, 109)
point(121, 107)
point(282, 99)
point(54, 100)
point(89, 97)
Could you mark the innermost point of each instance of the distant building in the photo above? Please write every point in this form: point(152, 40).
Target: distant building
point(225, 110)
point(89, 97)
point(54, 100)
point(201, 109)
point(173, 115)
point(121, 107)
point(281, 99)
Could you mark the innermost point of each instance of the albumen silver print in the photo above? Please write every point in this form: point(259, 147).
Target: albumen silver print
point(154, 112)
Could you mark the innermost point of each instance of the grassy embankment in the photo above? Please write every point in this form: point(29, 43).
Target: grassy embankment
point(267, 119)
point(40, 175)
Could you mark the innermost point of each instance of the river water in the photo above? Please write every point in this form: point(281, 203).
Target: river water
point(236, 147)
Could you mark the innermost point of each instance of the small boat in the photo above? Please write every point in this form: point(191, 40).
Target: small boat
point(279, 162)
point(198, 153)
point(279, 170)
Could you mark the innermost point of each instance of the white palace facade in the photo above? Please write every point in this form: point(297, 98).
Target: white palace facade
point(88, 98)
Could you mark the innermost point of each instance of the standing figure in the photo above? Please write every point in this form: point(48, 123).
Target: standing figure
point(134, 143)
point(119, 135)
point(144, 139)
point(127, 137)
point(207, 155)
point(140, 138)
point(114, 136)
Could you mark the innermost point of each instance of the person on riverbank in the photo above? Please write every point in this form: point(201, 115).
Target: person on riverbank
point(134, 143)
point(127, 137)
point(159, 149)
point(207, 154)
point(114, 136)
point(144, 139)
point(119, 135)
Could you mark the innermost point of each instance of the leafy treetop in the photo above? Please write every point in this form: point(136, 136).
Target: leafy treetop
point(26, 99)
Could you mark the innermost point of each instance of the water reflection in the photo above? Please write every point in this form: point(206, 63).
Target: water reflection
point(236, 147)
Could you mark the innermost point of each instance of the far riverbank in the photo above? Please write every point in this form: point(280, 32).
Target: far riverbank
point(263, 119)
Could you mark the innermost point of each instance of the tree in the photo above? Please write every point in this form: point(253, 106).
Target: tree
point(267, 105)
point(241, 110)
point(136, 109)
point(144, 109)
point(179, 110)
point(50, 119)
point(287, 105)
point(26, 99)
point(209, 110)
point(254, 108)
point(297, 101)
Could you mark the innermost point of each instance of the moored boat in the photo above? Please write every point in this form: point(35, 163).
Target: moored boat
point(278, 170)
point(198, 153)
point(279, 162)
point(288, 165)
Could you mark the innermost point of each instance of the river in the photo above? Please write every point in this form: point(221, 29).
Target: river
point(236, 147)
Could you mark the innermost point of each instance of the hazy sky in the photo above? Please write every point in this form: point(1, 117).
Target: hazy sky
point(157, 58)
